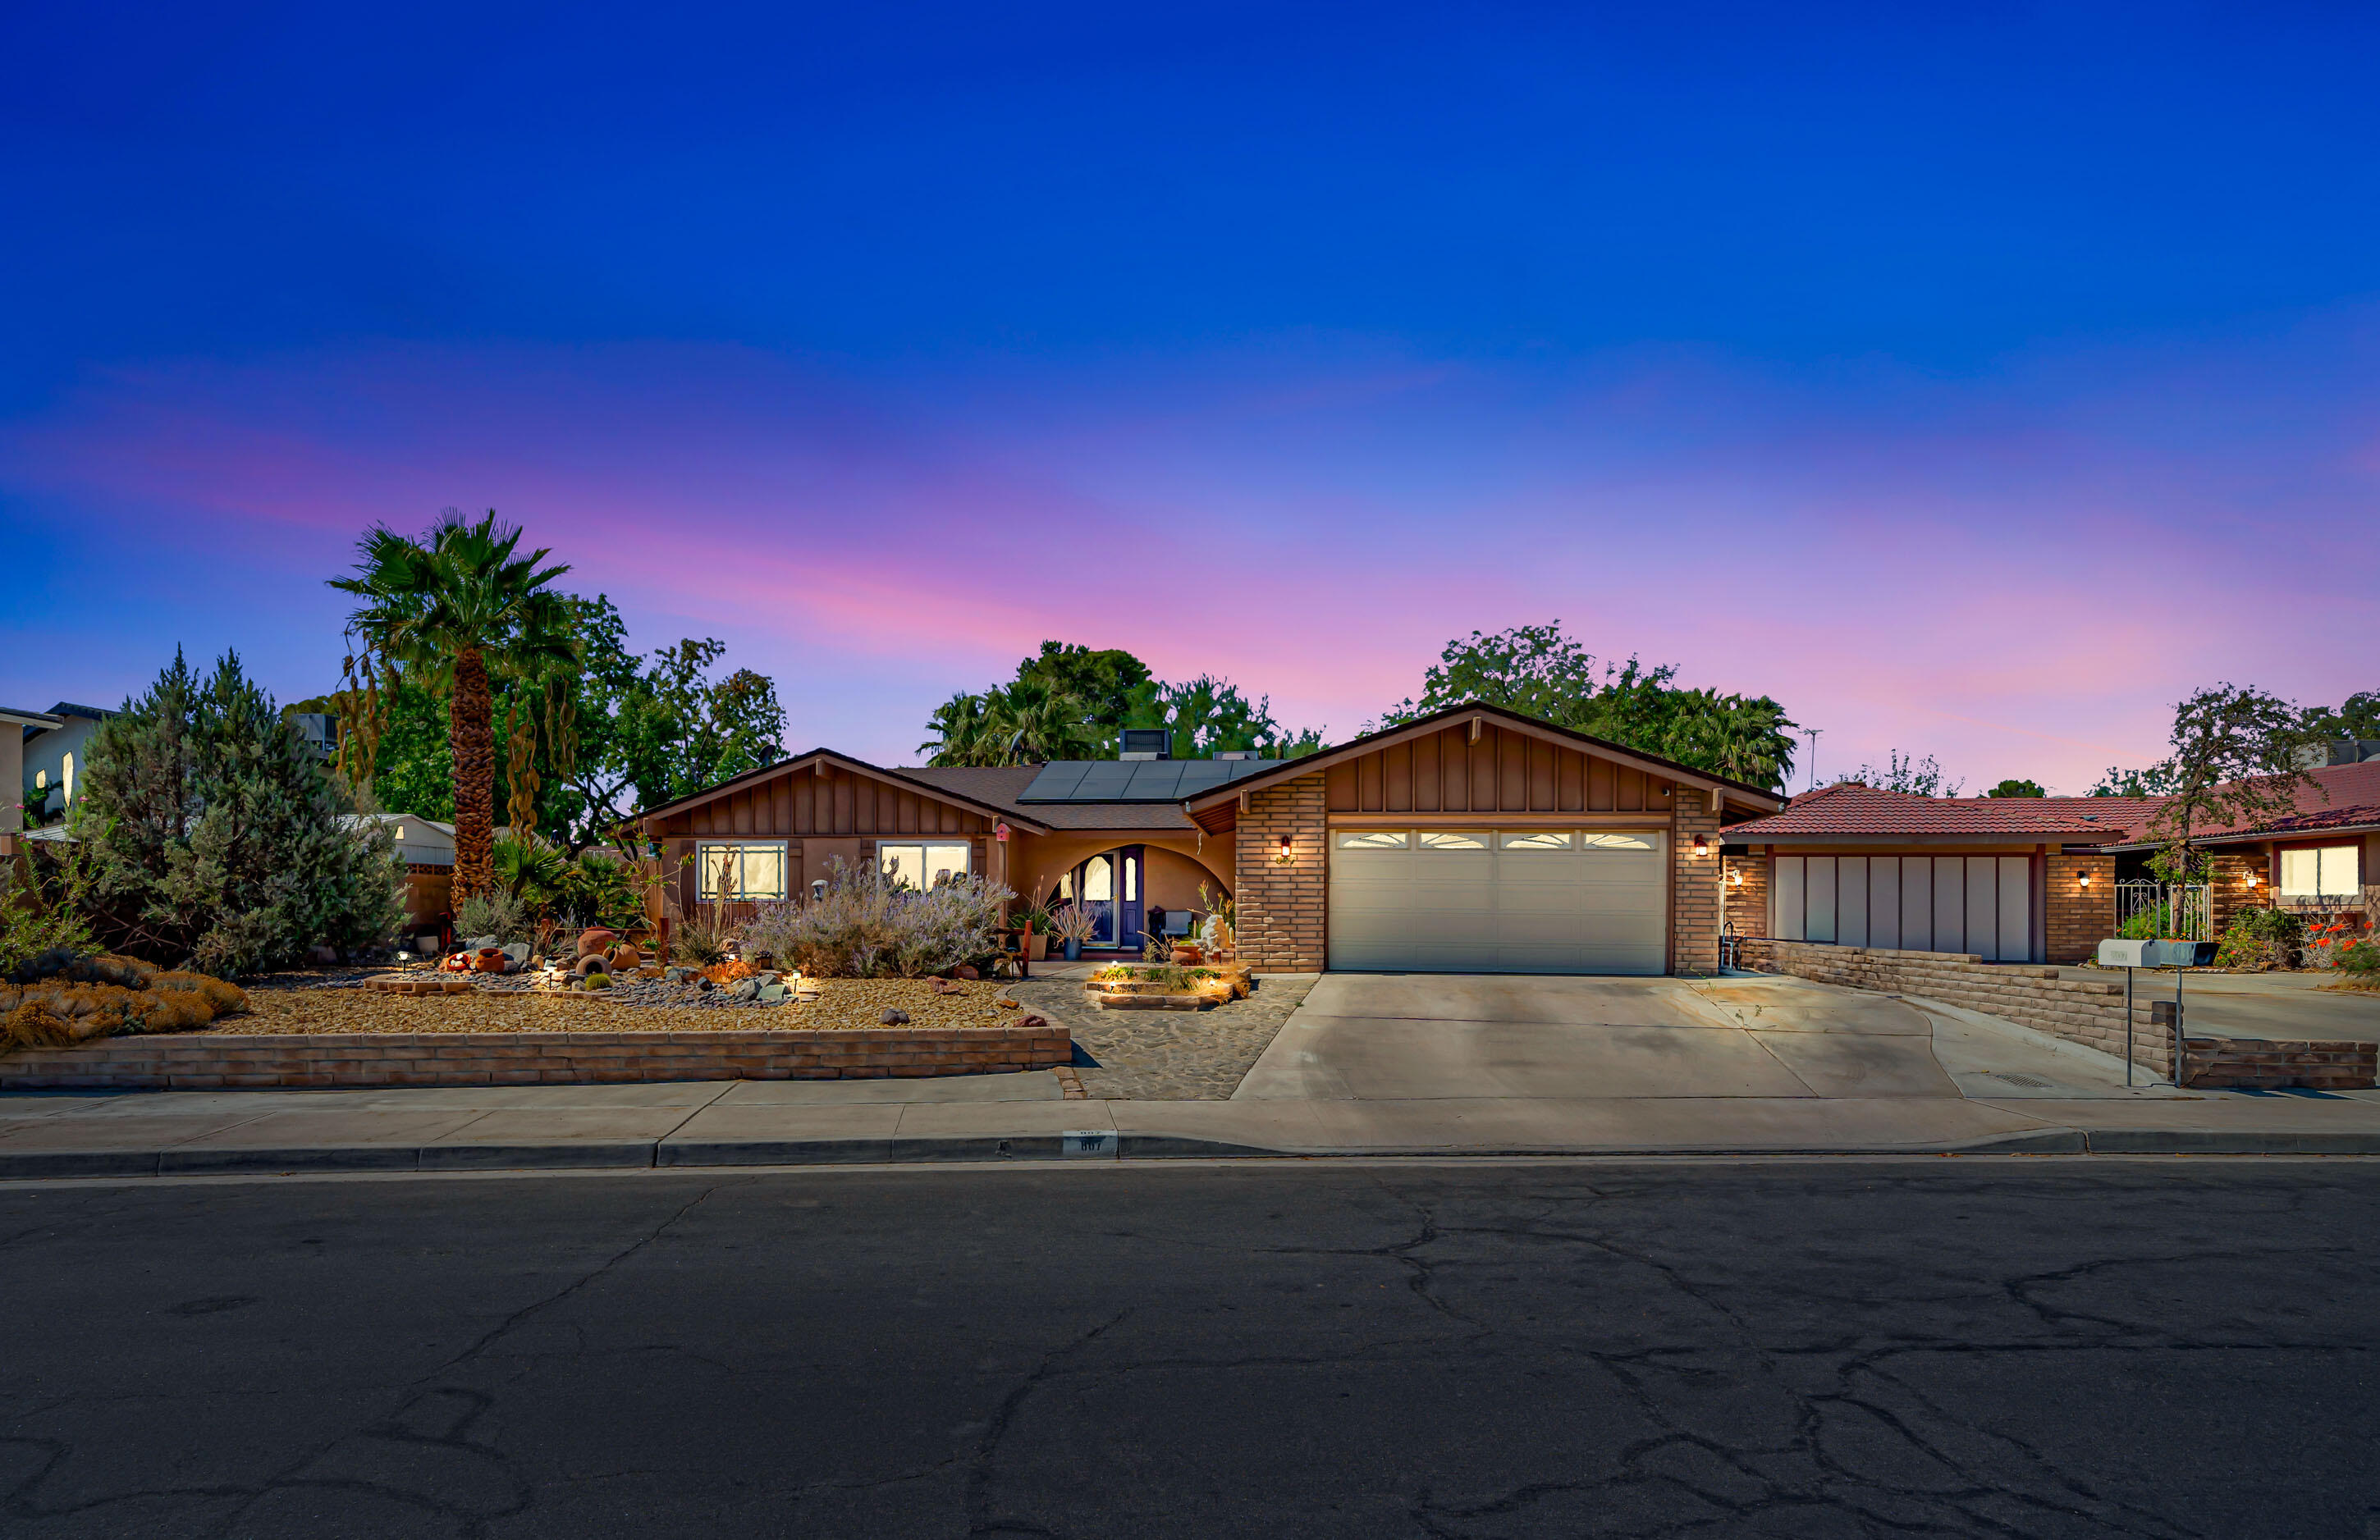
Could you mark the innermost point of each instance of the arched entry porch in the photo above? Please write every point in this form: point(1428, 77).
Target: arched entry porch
point(1123, 886)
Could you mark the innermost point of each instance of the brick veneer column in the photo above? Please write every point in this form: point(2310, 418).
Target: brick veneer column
point(1283, 911)
point(1746, 904)
point(2078, 918)
point(1693, 920)
point(2227, 888)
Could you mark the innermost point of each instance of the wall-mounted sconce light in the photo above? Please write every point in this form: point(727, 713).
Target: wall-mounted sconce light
point(2254, 878)
point(2086, 880)
point(1702, 845)
point(1735, 878)
point(1283, 858)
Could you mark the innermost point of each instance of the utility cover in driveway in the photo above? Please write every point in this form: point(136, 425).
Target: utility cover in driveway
point(1498, 901)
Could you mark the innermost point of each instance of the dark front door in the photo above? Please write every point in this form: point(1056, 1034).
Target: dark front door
point(1134, 899)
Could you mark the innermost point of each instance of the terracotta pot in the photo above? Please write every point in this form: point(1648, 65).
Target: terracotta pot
point(626, 957)
point(596, 940)
point(591, 963)
point(1188, 956)
point(489, 960)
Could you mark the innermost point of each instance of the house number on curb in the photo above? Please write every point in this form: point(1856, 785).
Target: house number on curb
point(1087, 1141)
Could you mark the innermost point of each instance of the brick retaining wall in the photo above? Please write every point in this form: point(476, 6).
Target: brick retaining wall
point(2253, 1062)
point(194, 1060)
point(2081, 1010)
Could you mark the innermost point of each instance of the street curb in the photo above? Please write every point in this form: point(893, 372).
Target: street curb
point(603, 1155)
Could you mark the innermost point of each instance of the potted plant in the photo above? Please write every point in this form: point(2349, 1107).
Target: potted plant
point(1072, 923)
point(1035, 921)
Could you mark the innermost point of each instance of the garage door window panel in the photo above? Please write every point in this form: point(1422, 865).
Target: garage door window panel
point(1375, 839)
point(1442, 842)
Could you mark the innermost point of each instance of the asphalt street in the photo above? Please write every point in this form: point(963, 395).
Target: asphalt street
point(2036, 1346)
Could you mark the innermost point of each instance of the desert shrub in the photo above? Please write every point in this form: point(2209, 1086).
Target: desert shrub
point(863, 928)
point(209, 836)
point(532, 871)
point(606, 890)
point(701, 940)
point(2260, 938)
point(492, 911)
point(36, 917)
point(2361, 958)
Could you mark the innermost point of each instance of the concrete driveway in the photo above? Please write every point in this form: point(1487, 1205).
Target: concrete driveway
point(1405, 1037)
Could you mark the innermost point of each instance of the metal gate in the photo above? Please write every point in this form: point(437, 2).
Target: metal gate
point(2172, 911)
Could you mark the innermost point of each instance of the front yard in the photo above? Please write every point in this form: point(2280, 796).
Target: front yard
point(1168, 1055)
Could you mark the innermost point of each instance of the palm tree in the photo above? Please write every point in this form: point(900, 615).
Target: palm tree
point(453, 608)
point(963, 733)
point(1034, 724)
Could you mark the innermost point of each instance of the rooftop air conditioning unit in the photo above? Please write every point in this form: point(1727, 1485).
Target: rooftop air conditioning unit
point(1145, 743)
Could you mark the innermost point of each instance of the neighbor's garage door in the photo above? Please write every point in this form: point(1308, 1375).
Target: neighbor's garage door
point(1488, 900)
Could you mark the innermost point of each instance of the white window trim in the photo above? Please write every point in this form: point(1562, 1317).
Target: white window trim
point(704, 886)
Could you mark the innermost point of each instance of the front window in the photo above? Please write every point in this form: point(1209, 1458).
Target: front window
point(745, 871)
point(2329, 872)
point(921, 866)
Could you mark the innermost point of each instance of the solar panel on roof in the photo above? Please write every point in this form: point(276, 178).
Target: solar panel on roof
point(1137, 779)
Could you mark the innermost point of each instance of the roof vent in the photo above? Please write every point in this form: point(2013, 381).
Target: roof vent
point(1145, 743)
point(1239, 753)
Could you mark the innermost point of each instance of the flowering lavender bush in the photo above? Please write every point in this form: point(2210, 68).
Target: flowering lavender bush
point(863, 928)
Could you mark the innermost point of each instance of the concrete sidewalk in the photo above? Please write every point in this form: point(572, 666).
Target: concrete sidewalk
point(1021, 1117)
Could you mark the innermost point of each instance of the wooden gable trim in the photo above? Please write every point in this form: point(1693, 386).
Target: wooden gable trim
point(816, 760)
point(1475, 717)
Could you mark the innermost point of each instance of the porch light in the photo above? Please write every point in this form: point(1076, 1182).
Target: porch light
point(1736, 879)
point(2086, 879)
point(2254, 878)
point(1702, 845)
point(1283, 857)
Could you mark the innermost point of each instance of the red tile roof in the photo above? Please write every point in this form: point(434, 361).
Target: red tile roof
point(2343, 796)
point(1849, 807)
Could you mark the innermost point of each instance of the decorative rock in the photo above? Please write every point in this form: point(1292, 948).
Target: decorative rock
point(894, 1018)
point(476, 943)
point(746, 988)
point(519, 952)
point(967, 970)
point(1027, 1020)
point(705, 985)
point(772, 993)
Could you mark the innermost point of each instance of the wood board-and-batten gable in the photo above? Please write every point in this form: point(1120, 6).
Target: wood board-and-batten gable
point(1500, 770)
point(818, 796)
point(1474, 760)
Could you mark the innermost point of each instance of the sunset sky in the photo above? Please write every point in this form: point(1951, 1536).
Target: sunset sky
point(1975, 379)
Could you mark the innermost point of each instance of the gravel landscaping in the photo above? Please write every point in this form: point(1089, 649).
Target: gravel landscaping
point(1168, 1055)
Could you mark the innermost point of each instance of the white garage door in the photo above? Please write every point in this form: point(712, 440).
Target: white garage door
point(1498, 901)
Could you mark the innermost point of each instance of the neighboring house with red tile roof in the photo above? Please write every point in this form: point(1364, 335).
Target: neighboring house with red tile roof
point(2027, 879)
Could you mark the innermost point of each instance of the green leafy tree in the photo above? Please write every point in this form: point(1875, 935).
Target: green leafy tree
point(1108, 682)
point(2357, 717)
point(208, 836)
point(1069, 702)
point(1540, 672)
point(458, 612)
point(2013, 787)
point(2235, 760)
point(1903, 773)
point(2156, 781)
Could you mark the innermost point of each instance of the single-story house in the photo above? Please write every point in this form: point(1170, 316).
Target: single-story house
point(54, 754)
point(426, 848)
point(17, 729)
point(1474, 839)
point(2324, 856)
point(2029, 880)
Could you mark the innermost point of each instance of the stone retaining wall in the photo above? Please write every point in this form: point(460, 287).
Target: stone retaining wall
point(2081, 1010)
point(2254, 1064)
point(212, 1060)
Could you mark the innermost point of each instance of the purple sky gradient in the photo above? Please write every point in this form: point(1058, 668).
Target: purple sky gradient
point(2016, 570)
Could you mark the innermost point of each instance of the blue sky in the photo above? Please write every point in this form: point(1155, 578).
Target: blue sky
point(1976, 379)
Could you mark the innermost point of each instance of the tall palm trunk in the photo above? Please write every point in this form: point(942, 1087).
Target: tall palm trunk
point(471, 734)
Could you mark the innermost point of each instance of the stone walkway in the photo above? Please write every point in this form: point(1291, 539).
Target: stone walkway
point(1168, 1055)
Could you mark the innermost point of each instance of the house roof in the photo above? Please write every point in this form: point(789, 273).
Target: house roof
point(1288, 769)
point(1003, 786)
point(1851, 809)
point(69, 709)
point(2342, 798)
point(1137, 779)
point(36, 720)
point(1031, 819)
